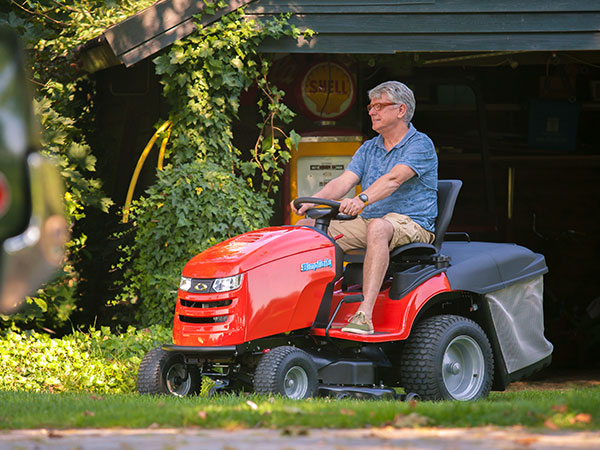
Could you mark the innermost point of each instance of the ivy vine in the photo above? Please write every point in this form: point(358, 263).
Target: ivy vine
point(203, 78)
point(209, 190)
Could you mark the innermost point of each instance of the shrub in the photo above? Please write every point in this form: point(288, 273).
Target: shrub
point(96, 361)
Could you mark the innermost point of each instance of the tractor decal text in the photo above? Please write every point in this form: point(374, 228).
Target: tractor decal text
point(322, 263)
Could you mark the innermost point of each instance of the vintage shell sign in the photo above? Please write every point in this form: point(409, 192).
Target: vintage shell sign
point(327, 91)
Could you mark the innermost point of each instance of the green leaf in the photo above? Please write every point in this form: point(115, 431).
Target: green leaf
point(294, 140)
point(41, 304)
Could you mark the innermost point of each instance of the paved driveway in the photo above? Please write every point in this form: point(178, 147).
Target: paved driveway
point(265, 439)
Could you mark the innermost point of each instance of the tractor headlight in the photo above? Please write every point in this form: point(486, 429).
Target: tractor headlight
point(204, 286)
point(228, 284)
point(185, 284)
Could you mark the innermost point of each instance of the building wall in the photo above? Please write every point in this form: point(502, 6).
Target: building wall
point(128, 104)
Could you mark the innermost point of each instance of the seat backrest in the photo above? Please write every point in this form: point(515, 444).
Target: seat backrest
point(447, 194)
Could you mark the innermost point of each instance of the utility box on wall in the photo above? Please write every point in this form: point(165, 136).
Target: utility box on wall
point(553, 125)
point(317, 160)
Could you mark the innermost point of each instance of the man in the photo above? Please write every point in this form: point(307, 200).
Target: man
point(398, 174)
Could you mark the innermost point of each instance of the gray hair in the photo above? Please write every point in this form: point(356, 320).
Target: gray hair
point(397, 93)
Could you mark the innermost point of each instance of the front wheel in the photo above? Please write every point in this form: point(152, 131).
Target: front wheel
point(287, 371)
point(163, 372)
point(447, 358)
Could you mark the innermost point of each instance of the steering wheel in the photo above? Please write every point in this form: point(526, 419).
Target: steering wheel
point(322, 216)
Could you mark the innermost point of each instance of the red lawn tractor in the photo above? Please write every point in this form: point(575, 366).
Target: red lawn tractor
point(263, 312)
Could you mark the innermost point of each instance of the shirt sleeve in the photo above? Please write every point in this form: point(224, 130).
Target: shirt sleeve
point(357, 164)
point(419, 155)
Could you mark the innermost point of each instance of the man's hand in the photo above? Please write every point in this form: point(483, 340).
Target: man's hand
point(336, 188)
point(351, 206)
point(302, 210)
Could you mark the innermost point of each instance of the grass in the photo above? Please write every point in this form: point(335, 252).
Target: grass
point(574, 409)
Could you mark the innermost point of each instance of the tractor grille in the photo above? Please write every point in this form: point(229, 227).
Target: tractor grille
point(215, 319)
point(215, 304)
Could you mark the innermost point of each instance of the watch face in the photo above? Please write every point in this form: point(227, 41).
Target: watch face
point(363, 197)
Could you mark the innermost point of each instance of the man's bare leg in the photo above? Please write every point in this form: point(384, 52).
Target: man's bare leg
point(377, 256)
point(379, 234)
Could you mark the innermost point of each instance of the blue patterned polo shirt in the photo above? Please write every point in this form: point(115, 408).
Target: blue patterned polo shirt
point(416, 197)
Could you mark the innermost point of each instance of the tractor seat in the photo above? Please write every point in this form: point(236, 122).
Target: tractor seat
point(416, 251)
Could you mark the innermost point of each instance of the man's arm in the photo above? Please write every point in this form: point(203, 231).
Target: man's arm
point(380, 189)
point(335, 189)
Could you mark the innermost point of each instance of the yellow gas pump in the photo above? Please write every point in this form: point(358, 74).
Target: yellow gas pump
point(317, 160)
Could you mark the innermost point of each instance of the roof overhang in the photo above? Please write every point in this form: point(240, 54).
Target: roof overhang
point(147, 32)
point(364, 27)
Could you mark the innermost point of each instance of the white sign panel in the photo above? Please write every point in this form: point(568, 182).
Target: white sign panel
point(314, 172)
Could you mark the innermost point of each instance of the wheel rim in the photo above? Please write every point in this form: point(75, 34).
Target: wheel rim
point(463, 368)
point(295, 382)
point(178, 379)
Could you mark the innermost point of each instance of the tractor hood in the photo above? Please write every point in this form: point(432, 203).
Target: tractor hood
point(253, 249)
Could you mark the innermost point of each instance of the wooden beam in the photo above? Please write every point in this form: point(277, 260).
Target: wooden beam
point(447, 23)
point(378, 43)
point(418, 6)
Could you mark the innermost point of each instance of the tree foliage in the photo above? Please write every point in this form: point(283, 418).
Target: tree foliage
point(51, 31)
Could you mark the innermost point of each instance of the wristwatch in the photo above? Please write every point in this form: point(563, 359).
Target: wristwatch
point(363, 197)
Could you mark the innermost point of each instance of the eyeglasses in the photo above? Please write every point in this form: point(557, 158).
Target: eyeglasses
point(379, 106)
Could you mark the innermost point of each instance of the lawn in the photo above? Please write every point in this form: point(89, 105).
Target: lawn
point(574, 409)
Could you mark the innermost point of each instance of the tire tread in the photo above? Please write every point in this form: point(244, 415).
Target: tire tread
point(267, 370)
point(418, 358)
point(149, 372)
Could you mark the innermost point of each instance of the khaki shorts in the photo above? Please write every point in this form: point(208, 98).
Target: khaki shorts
point(355, 232)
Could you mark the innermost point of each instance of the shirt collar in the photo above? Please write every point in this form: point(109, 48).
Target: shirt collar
point(410, 133)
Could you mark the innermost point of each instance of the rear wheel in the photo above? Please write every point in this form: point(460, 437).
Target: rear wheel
point(447, 358)
point(287, 371)
point(163, 372)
